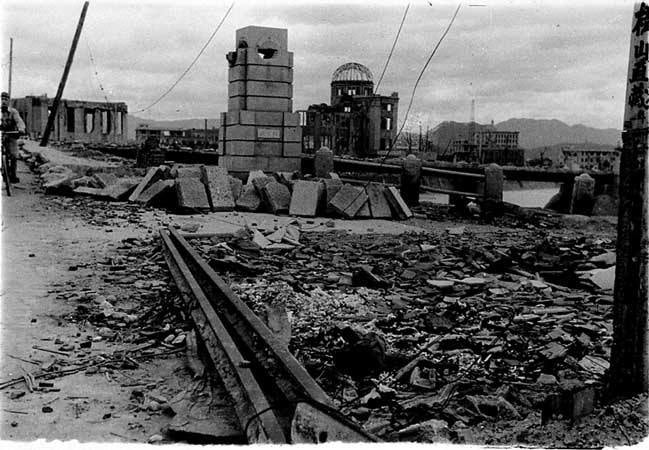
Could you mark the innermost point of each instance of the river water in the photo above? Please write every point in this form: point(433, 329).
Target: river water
point(530, 198)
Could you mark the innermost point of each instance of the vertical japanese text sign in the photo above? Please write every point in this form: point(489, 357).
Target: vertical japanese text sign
point(637, 90)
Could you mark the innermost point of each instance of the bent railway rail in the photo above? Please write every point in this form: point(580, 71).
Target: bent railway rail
point(274, 397)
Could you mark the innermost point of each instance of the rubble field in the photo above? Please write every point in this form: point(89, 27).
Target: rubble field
point(448, 336)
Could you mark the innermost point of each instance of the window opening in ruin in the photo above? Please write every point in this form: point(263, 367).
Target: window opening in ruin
point(302, 118)
point(382, 145)
point(266, 53)
point(388, 107)
point(348, 109)
point(242, 44)
point(388, 123)
point(69, 118)
point(352, 92)
point(89, 121)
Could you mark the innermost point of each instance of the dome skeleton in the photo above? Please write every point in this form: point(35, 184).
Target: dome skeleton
point(352, 72)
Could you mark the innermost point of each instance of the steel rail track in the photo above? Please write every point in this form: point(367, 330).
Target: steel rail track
point(274, 397)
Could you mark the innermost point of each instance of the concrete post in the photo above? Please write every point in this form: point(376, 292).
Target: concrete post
point(411, 180)
point(323, 163)
point(583, 195)
point(493, 189)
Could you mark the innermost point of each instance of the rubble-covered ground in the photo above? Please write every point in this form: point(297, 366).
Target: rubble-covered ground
point(462, 332)
point(492, 340)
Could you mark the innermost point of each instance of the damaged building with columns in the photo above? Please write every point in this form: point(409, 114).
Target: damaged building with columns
point(76, 120)
point(358, 121)
point(259, 131)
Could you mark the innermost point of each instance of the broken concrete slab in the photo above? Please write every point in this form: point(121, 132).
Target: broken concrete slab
point(121, 189)
point(218, 188)
point(397, 204)
point(186, 171)
point(191, 193)
point(105, 179)
point(331, 188)
point(153, 174)
point(85, 190)
point(277, 196)
point(155, 192)
point(249, 200)
point(255, 174)
point(379, 206)
point(364, 212)
point(349, 200)
point(305, 198)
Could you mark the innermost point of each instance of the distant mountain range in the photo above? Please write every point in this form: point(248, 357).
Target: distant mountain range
point(540, 133)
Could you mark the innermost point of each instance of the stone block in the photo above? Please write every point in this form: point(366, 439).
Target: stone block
point(291, 119)
point(249, 199)
point(240, 133)
point(239, 148)
point(235, 186)
point(268, 148)
point(293, 149)
point(277, 196)
point(261, 73)
point(260, 182)
point(256, 103)
point(243, 163)
point(364, 212)
point(379, 206)
point(121, 189)
point(85, 190)
point(305, 198)
point(156, 192)
point(349, 200)
point(397, 204)
point(293, 134)
point(281, 164)
point(191, 193)
point(255, 174)
point(263, 88)
point(218, 188)
point(262, 118)
point(331, 188)
point(153, 174)
point(105, 179)
point(186, 171)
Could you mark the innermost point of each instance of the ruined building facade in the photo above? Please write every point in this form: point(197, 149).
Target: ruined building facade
point(76, 120)
point(357, 122)
point(260, 131)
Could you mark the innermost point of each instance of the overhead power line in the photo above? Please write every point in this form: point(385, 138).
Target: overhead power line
point(182, 75)
point(394, 44)
point(94, 65)
point(412, 96)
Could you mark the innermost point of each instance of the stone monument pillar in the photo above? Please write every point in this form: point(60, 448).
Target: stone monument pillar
point(260, 131)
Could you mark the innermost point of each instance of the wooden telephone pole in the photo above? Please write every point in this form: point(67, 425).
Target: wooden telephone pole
point(64, 78)
point(11, 63)
point(629, 372)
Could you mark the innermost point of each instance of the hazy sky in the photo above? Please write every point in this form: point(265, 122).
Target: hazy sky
point(542, 59)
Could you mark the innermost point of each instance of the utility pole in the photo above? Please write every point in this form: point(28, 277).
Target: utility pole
point(11, 63)
point(206, 138)
point(629, 368)
point(64, 78)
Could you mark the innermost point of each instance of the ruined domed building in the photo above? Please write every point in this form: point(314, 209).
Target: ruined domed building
point(357, 122)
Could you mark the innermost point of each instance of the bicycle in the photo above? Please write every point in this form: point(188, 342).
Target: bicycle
point(5, 160)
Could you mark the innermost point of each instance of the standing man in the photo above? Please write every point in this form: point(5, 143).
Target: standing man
point(12, 126)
